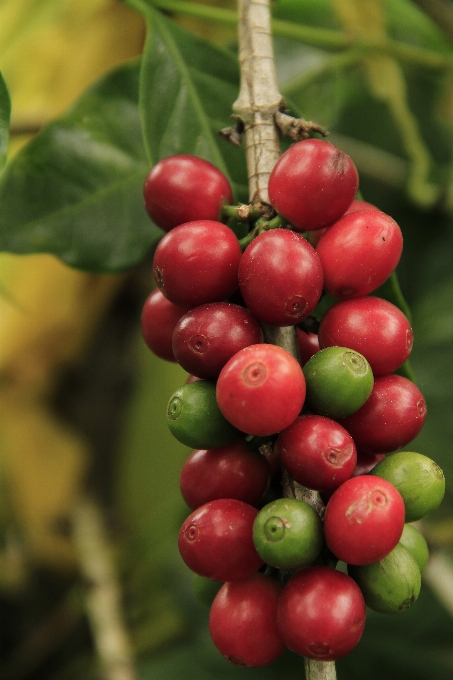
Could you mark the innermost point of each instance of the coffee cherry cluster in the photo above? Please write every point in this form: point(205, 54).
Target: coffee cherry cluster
point(263, 424)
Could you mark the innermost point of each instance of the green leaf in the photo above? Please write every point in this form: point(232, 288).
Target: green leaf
point(5, 111)
point(76, 189)
point(187, 89)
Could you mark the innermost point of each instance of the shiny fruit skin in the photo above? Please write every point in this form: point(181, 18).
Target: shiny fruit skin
point(280, 277)
point(339, 381)
point(215, 541)
point(287, 533)
point(391, 584)
point(182, 188)
point(261, 389)
point(308, 344)
point(321, 613)
point(391, 417)
point(312, 184)
point(317, 452)
point(231, 471)
point(207, 336)
point(419, 480)
point(197, 262)
point(243, 621)
point(364, 520)
point(194, 418)
point(158, 320)
point(359, 252)
point(413, 540)
point(372, 326)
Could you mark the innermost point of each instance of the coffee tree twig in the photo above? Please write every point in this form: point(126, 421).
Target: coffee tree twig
point(258, 106)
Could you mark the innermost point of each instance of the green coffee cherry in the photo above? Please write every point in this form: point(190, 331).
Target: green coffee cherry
point(390, 585)
point(419, 480)
point(339, 381)
point(205, 590)
point(194, 417)
point(415, 542)
point(287, 533)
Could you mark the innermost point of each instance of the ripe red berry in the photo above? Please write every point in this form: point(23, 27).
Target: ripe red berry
point(183, 188)
point(159, 318)
point(312, 184)
point(261, 389)
point(372, 326)
point(207, 336)
point(197, 263)
point(280, 277)
point(216, 540)
point(364, 520)
point(321, 613)
point(308, 344)
point(317, 452)
point(359, 252)
point(243, 621)
point(391, 417)
point(232, 471)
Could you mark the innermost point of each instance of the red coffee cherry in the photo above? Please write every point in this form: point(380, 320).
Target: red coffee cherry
point(372, 326)
point(312, 184)
point(243, 621)
point(232, 471)
point(360, 205)
point(321, 614)
point(207, 336)
point(197, 263)
point(261, 390)
point(280, 277)
point(317, 452)
point(159, 318)
point(308, 344)
point(359, 252)
point(364, 520)
point(183, 188)
point(392, 416)
point(216, 540)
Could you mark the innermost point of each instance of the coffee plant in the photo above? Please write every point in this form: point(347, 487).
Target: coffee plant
point(274, 292)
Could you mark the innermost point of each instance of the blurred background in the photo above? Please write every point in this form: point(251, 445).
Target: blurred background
point(89, 474)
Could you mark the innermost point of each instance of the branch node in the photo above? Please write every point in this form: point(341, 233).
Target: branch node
point(297, 128)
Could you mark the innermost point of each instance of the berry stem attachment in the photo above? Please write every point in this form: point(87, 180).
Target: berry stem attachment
point(261, 225)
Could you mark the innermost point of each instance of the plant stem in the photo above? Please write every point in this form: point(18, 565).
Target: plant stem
point(103, 601)
point(258, 102)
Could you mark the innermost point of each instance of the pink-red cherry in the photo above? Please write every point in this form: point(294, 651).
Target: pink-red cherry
point(197, 262)
point(216, 540)
point(317, 452)
point(158, 320)
point(243, 621)
point(372, 326)
point(207, 336)
point(364, 520)
point(183, 188)
point(359, 252)
point(308, 344)
point(312, 184)
point(231, 471)
point(321, 613)
point(261, 389)
point(280, 277)
point(392, 416)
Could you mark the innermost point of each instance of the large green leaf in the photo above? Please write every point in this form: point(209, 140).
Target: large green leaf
point(187, 89)
point(76, 189)
point(5, 110)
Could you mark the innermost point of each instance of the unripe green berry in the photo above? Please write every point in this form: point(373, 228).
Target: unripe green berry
point(287, 533)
